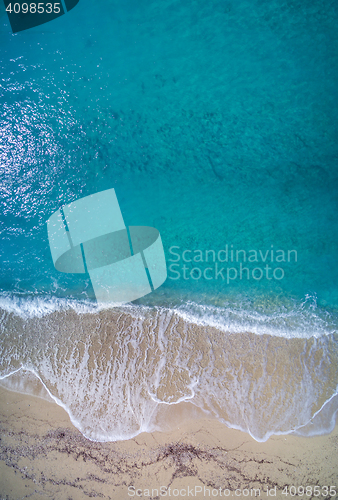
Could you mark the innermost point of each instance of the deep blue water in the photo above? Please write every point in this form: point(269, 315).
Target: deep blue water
point(215, 122)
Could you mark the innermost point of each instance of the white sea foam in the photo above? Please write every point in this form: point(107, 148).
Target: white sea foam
point(287, 318)
point(37, 306)
point(114, 370)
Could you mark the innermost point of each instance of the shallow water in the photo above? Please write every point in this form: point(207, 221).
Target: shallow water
point(116, 370)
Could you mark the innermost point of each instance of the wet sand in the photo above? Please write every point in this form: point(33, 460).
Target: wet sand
point(44, 456)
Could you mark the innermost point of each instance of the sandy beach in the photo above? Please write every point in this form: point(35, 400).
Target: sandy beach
point(44, 456)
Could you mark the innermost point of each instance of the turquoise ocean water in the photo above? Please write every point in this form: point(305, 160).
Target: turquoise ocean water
point(216, 123)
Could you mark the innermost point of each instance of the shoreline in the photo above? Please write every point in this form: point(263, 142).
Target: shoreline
point(44, 456)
